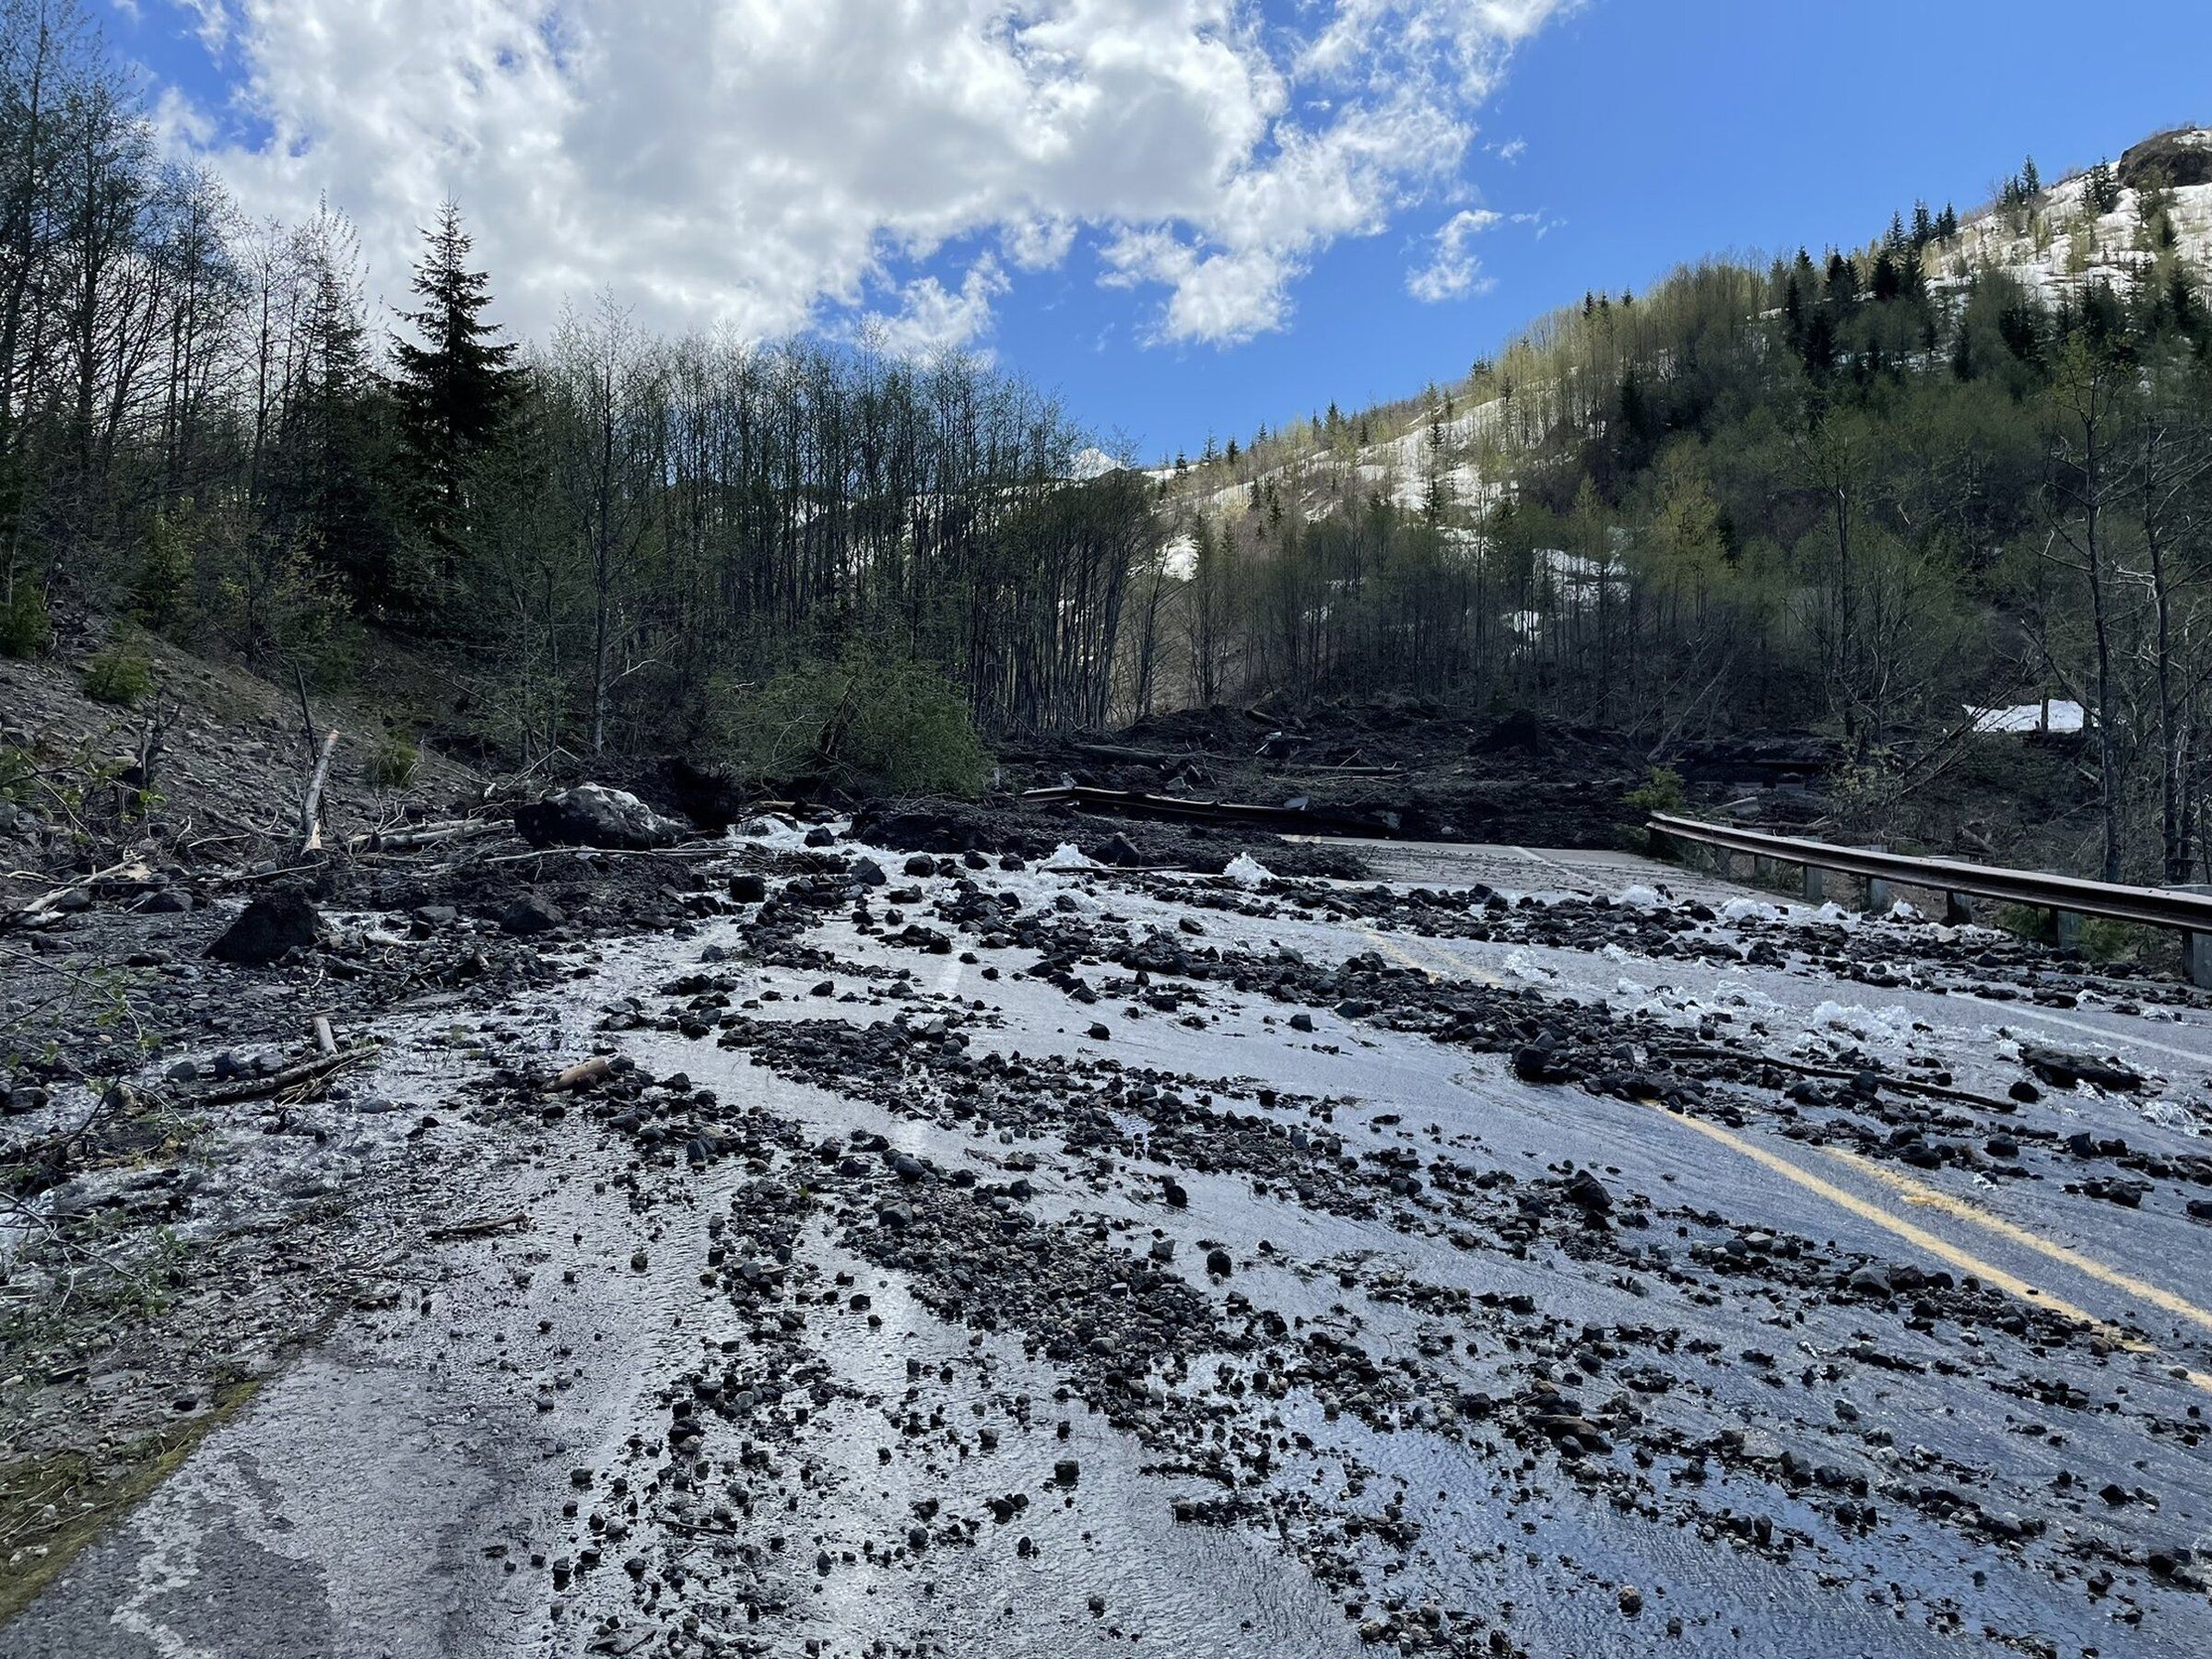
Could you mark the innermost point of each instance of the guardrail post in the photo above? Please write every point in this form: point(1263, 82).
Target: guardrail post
point(1816, 883)
point(1959, 909)
point(2197, 958)
point(1879, 891)
point(2067, 925)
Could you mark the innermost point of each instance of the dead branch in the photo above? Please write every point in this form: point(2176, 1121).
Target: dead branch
point(426, 835)
point(318, 1070)
point(481, 1226)
point(1913, 1086)
point(50, 908)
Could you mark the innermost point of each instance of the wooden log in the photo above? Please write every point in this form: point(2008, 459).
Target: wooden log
point(310, 805)
point(480, 1227)
point(50, 908)
point(291, 1077)
point(585, 1074)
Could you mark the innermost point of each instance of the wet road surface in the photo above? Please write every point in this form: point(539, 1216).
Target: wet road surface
point(1353, 1434)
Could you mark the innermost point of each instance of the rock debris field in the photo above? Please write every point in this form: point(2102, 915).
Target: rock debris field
point(866, 1252)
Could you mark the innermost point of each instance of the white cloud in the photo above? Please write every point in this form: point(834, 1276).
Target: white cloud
point(1452, 271)
point(931, 319)
point(753, 164)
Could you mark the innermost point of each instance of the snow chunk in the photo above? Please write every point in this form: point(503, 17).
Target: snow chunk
point(1067, 856)
point(1247, 871)
point(1749, 909)
point(1639, 897)
point(2064, 715)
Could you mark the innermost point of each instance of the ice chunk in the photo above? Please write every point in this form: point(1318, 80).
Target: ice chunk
point(1247, 871)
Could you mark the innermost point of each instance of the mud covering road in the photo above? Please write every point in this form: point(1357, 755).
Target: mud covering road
point(1535, 1253)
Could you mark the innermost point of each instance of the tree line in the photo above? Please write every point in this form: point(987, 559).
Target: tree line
point(1852, 494)
point(602, 537)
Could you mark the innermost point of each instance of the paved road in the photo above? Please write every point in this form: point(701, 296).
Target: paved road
point(400, 1493)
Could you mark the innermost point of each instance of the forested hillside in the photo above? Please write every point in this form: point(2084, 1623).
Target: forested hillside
point(604, 539)
point(1968, 463)
point(1853, 492)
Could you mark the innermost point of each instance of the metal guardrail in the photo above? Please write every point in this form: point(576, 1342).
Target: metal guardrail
point(2067, 897)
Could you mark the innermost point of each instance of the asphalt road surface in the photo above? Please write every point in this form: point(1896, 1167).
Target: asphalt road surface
point(1229, 1319)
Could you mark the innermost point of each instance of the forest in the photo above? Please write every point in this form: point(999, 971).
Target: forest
point(1850, 493)
point(610, 540)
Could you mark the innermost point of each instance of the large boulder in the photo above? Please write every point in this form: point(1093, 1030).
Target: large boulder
point(532, 913)
point(271, 925)
point(591, 814)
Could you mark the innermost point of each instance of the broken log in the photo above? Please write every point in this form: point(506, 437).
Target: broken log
point(481, 1226)
point(320, 1069)
point(585, 1074)
point(426, 835)
point(310, 805)
point(50, 908)
point(1302, 819)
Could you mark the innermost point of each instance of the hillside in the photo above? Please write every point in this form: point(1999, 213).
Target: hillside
point(2057, 248)
point(1849, 495)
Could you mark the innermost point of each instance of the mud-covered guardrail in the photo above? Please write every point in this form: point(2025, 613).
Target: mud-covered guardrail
point(2068, 898)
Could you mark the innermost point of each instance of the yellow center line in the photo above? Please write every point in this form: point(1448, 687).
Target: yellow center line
point(1919, 1193)
point(1959, 1209)
point(1456, 968)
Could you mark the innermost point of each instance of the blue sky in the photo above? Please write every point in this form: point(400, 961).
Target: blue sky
point(1207, 215)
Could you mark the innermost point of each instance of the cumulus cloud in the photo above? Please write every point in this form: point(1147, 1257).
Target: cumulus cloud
point(931, 318)
point(770, 165)
point(1452, 271)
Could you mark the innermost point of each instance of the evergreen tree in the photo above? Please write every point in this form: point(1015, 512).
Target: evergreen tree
point(454, 390)
point(326, 481)
point(1843, 282)
point(1887, 283)
point(2101, 189)
point(1946, 222)
point(2031, 181)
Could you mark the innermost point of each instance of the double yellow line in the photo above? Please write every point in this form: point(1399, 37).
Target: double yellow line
point(1921, 1195)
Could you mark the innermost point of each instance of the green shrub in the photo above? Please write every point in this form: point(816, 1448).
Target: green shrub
point(118, 676)
point(870, 724)
point(392, 764)
point(1661, 791)
point(18, 775)
point(161, 585)
point(26, 630)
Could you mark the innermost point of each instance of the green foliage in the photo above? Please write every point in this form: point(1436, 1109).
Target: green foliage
point(2101, 188)
point(2027, 921)
point(1661, 791)
point(870, 722)
point(118, 676)
point(392, 763)
point(161, 585)
point(18, 775)
point(26, 630)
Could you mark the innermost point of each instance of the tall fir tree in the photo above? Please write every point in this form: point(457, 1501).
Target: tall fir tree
point(454, 390)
